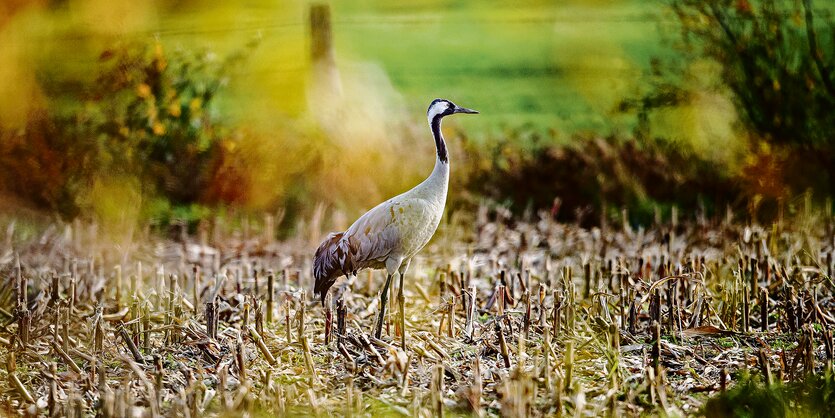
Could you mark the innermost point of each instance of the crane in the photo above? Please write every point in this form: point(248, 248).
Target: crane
point(390, 234)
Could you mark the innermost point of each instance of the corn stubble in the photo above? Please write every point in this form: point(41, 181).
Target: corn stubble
point(522, 318)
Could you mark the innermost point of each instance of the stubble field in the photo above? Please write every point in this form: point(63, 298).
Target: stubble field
point(508, 316)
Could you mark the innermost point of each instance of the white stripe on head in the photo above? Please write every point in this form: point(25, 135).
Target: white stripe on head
point(438, 106)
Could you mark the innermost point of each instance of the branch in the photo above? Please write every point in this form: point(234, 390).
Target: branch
point(748, 69)
point(813, 48)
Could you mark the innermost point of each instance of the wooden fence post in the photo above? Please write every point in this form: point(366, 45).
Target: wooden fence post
point(326, 84)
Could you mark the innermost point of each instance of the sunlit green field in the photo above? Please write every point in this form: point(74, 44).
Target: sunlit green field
point(552, 66)
point(560, 67)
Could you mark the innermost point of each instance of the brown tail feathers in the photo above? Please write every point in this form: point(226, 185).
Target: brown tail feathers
point(333, 259)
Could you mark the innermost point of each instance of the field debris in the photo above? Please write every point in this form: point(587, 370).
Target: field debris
point(511, 317)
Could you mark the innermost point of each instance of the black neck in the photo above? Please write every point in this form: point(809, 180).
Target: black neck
point(440, 145)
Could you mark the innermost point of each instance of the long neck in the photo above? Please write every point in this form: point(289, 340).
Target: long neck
point(440, 145)
point(435, 186)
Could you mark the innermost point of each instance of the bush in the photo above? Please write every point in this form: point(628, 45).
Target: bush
point(771, 59)
point(149, 115)
point(776, 61)
point(598, 176)
point(809, 397)
point(48, 162)
point(154, 115)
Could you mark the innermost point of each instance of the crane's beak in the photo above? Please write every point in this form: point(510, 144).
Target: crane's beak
point(464, 110)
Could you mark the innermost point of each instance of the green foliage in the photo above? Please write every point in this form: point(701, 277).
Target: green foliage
point(153, 115)
point(163, 213)
point(779, 70)
point(594, 177)
point(148, 116)
point(812, 397)
point(776, 62)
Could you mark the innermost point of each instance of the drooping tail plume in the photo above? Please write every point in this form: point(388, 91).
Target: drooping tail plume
point(333, 258)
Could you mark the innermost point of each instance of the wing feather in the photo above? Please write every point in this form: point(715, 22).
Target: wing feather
point(367, 243)
point(374, 235)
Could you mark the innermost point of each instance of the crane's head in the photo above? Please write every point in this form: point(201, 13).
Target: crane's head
point(443, 107)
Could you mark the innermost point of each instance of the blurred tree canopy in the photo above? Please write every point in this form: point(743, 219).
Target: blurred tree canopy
point(776, 60)
point(157, 120)
point(779, 69)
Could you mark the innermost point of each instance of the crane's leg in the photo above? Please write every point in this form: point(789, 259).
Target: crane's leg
point(401, 301)
point(384, 296)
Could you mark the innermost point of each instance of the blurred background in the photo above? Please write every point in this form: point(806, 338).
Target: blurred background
point(164, 112)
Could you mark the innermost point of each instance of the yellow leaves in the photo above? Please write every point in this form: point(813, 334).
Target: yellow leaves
point(159, 58)
point(158, 128)
point(153, 112)
point(143, 90)
point(174, 109)
point(195, 104)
